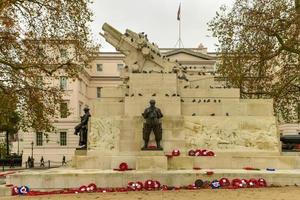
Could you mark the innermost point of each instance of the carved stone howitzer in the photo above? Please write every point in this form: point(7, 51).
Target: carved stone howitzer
point(140, 54)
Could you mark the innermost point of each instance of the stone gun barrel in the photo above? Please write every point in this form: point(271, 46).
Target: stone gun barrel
point(111, 30)
point(112, 35)
point(140, 54)
point(290, 139)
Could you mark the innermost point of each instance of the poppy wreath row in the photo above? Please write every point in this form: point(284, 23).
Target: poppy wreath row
point(150, 185)
point(24, 190)
point(200, 152)
point(225, 183)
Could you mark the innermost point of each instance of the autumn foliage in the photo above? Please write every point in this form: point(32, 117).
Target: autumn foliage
point(260, 51)
point(40, 40)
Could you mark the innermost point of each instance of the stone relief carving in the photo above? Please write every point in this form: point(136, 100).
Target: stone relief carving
point(104, 133)
point(254, 133)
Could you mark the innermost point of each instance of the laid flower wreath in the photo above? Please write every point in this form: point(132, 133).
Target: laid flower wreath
point(149, 185)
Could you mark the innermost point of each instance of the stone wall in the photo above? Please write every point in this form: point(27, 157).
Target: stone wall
point(218, 133)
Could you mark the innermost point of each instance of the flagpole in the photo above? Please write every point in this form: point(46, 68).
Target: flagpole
point(179, 41)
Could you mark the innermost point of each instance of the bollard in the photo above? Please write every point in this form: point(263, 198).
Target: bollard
point(3, 167)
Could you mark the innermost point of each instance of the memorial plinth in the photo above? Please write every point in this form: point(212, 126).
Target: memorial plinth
point(242, 132)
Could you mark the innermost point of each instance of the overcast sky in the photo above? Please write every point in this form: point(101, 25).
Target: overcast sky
point(158, 19)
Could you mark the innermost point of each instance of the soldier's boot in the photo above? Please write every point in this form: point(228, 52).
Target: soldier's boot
point(158, 144)
point(146, 144)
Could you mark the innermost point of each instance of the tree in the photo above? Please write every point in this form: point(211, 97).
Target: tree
point(40, 40)
point(260, 51)
point(9, 118)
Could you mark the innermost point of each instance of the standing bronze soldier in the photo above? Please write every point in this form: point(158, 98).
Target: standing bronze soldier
point(152, 115)
point(82, 128)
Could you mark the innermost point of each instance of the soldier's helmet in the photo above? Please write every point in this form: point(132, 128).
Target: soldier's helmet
point(152, 102)
point(86, 108)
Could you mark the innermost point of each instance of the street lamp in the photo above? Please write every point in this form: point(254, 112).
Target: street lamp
point(31, 149)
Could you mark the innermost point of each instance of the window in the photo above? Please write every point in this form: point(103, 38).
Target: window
point(63, 82)
point(39, 139)
point(63, 138)
point(98, 92)
point(120, 66)
point(64, 110)
point(99, 67)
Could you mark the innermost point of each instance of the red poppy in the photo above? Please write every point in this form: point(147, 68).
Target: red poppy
point(252, 183)
point(224, 182)
point(149, 185)
point(237, 183)
point(262, 182)
point(210, 153)
point(164, 187)
point(198, 152)
point(139, 185)
point(15, 190)
point(123, 166)
point(156, 184)
point(175, 152)
point(244, 183)
point(92, 187)
point(82, 188)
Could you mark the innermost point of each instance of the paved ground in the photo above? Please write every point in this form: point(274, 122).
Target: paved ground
point(283, 193)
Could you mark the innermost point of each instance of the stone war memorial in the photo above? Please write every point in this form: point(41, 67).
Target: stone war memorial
point(198, 129)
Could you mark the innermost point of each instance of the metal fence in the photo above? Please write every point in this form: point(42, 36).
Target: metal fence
point(10, 164)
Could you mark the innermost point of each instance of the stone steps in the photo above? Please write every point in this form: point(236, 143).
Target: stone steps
point(72, 178)
point(145, 161)
point(5, 191)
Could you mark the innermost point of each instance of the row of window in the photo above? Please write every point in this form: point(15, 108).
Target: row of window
point(62, 138)
point(62, 81)
point(63, 108)
point(100, 67)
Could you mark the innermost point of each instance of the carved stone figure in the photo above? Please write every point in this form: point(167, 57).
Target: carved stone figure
point(82, 128)
point(152, 115)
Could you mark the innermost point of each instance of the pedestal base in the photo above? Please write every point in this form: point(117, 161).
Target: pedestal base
point(80, 152)
point(82, 148)
point(152, 149)
point(151, 163)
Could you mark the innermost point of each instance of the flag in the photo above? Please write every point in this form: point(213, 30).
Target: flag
point(178, 12)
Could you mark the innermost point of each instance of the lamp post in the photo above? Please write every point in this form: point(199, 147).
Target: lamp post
point(32, 149)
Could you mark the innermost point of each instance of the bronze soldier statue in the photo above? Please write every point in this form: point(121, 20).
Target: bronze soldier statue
point(82, 128)
point(152, 115)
